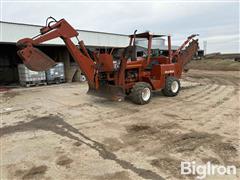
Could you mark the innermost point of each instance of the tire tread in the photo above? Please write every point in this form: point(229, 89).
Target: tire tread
point(167, 89)
point(136, 93)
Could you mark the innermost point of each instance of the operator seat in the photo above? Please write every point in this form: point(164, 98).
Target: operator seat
point(130, 52)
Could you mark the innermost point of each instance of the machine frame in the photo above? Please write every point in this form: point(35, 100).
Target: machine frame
point(134, 76)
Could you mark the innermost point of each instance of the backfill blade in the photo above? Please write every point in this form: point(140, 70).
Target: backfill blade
point(115, 93)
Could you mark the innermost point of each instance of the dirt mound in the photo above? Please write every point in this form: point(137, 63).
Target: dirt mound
point(137, 128)
point(215, 64)
point(213, 160)
point(227, 152)
point(63, 161)
point(117, 176)
point(35, 172)
point(143, 129)
point(77, 144)
point(190, 141)
point(168, 140)
point(169, 165)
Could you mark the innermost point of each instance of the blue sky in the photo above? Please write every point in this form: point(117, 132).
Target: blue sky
point(217, 22)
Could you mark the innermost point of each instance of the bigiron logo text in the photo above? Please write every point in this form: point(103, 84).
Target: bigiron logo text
point(201, 171)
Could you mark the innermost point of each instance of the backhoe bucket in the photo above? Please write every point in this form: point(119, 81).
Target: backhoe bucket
point(35, 59)
point(115, 93)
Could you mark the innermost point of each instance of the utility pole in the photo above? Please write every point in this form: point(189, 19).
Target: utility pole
point(205, 47)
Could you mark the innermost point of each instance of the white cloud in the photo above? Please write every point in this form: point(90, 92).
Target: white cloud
point(210, 20)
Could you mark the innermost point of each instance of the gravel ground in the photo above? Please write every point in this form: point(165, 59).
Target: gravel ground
point(59, 132)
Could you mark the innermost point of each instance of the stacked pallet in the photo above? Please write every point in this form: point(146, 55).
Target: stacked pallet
point(55, 75)
point(29, 78)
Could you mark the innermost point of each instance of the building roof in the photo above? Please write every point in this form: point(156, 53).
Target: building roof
point(12, 32)
point(40, 26)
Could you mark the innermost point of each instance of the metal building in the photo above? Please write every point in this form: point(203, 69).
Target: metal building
point(12, 32)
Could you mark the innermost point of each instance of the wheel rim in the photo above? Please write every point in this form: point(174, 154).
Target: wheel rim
point(174, 86)
point(146, 93)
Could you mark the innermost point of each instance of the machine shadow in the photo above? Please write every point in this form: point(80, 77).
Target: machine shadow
point(57, 125)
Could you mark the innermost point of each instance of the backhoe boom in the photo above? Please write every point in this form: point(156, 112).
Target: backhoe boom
point(38, 61)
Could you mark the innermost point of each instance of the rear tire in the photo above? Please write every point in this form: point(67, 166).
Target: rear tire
point(172, 86)
point(141, 93)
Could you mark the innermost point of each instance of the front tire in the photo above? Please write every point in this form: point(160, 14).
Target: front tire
point(141, 93)
point(172, 86)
